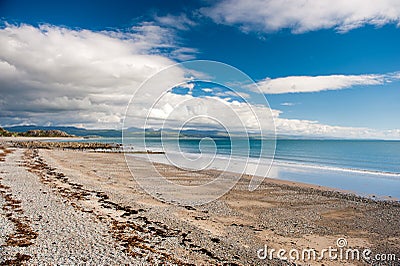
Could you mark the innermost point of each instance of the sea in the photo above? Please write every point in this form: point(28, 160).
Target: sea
point(369, 168)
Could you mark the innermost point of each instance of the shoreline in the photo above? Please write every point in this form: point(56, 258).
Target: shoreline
point(99, 147)
point(231, 229)
point(305, 187)
point(320, 171)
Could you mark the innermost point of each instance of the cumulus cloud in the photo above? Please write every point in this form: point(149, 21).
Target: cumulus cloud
point(307, 128)
point(60, 76)
point(304, 15)
point(297, 84)
point(76, 76)
point(212, 112)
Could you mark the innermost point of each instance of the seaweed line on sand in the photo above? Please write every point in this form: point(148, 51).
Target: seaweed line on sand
point(24, 234)
point(135, 232)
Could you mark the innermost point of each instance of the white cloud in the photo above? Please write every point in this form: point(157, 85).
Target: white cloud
point(297, 84)
point(184, 53)
point(181, 22)
point(173, 110)
point(163, 31)
point(209, 112)
point(56, 75)
point(307, 128)
point(287, 104)
point(304, 15)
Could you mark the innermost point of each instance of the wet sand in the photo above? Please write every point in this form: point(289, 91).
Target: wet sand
point(96, 213)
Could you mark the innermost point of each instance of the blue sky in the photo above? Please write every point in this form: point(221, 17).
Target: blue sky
point(355, 44)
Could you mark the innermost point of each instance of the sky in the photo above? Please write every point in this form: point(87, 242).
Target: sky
point(326, 68)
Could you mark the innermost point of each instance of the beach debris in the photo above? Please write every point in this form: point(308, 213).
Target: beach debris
point(23, 235)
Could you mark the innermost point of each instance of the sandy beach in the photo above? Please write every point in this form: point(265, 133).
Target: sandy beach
point(71, 207)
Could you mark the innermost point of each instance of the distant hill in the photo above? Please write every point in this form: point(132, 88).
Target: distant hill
point(132, 131)
point(80, 132)
point(6, 133)
point(34, 133)
point(112, 133)
point(45, 133)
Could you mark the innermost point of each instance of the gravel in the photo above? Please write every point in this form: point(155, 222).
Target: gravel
point(64, 236)
point(86, 209)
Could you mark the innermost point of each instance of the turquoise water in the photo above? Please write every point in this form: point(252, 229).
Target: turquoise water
point(367, 167)
point(379, 156)
point(364, 155)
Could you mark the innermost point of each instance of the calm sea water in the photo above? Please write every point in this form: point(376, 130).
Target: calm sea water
point(367, 167)
point(364, 155)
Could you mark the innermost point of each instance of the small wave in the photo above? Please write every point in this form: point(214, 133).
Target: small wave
point(286, 163)
point(342, 169)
